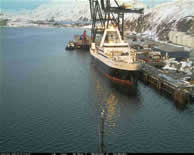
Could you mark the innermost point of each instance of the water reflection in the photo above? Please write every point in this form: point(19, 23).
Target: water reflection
point(109, 99)
point(112, 112)
point(103, 96)
point(108, 102)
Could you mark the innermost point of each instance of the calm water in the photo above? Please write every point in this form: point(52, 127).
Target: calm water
point(50, 101)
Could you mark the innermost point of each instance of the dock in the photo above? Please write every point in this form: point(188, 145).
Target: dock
point(168, 83)
point(174, 51)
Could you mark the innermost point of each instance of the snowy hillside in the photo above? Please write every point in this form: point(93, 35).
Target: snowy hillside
point(60, 10)
point(157, 21)
point(69, 10)
point(163, 18)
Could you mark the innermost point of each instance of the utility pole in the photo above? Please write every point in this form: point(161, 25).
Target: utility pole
point(176, 39)
point(102, 133)
point(193, 25)
point(152, 21)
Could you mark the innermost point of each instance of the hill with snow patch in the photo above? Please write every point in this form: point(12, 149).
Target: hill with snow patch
point(157, 21)
point(163, 18)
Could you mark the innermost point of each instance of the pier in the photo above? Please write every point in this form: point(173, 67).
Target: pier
point(168, 83)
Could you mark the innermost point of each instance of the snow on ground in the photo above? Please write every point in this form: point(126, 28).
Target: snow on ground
point(183, 66)
point(70, 10)
point(73, 10)
point(168, 11)
point(164, 16)
point(87, 27)
point(172, 11)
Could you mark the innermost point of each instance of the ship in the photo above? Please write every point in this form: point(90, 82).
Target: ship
point(82, 41)
point(70, 45)
point(114, 58)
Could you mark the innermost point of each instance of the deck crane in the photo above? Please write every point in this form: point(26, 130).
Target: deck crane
point(108, 12)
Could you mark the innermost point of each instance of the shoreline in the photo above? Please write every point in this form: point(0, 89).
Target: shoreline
point(79, 26)
point(48, 26)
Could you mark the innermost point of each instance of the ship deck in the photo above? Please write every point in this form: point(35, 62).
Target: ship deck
point(117, 64)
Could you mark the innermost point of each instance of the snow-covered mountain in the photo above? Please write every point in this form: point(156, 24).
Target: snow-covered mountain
point(163, 18)
point(68, 10)
point(61, 10)
point(57, 10)
point(157, 21)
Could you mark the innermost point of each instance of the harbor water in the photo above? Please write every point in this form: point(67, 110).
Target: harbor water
point(51, 100)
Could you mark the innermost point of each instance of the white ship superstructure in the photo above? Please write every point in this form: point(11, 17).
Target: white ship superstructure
point(114, 58)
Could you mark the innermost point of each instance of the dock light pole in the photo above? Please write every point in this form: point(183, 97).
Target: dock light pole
point(102, 133)
point(176, 39)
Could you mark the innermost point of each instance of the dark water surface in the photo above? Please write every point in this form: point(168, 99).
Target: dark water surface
point(50, 101)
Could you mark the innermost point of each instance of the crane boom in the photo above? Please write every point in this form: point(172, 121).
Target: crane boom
point(102, 12)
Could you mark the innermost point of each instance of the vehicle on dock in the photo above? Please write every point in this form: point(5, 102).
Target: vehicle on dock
point(70, 45)
point(136, 46)
point(152, 58)
point(115, 59)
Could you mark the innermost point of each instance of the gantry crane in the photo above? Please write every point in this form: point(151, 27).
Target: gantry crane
point(103, 14)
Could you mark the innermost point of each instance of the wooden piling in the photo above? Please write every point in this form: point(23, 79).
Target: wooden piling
point(179, 94)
